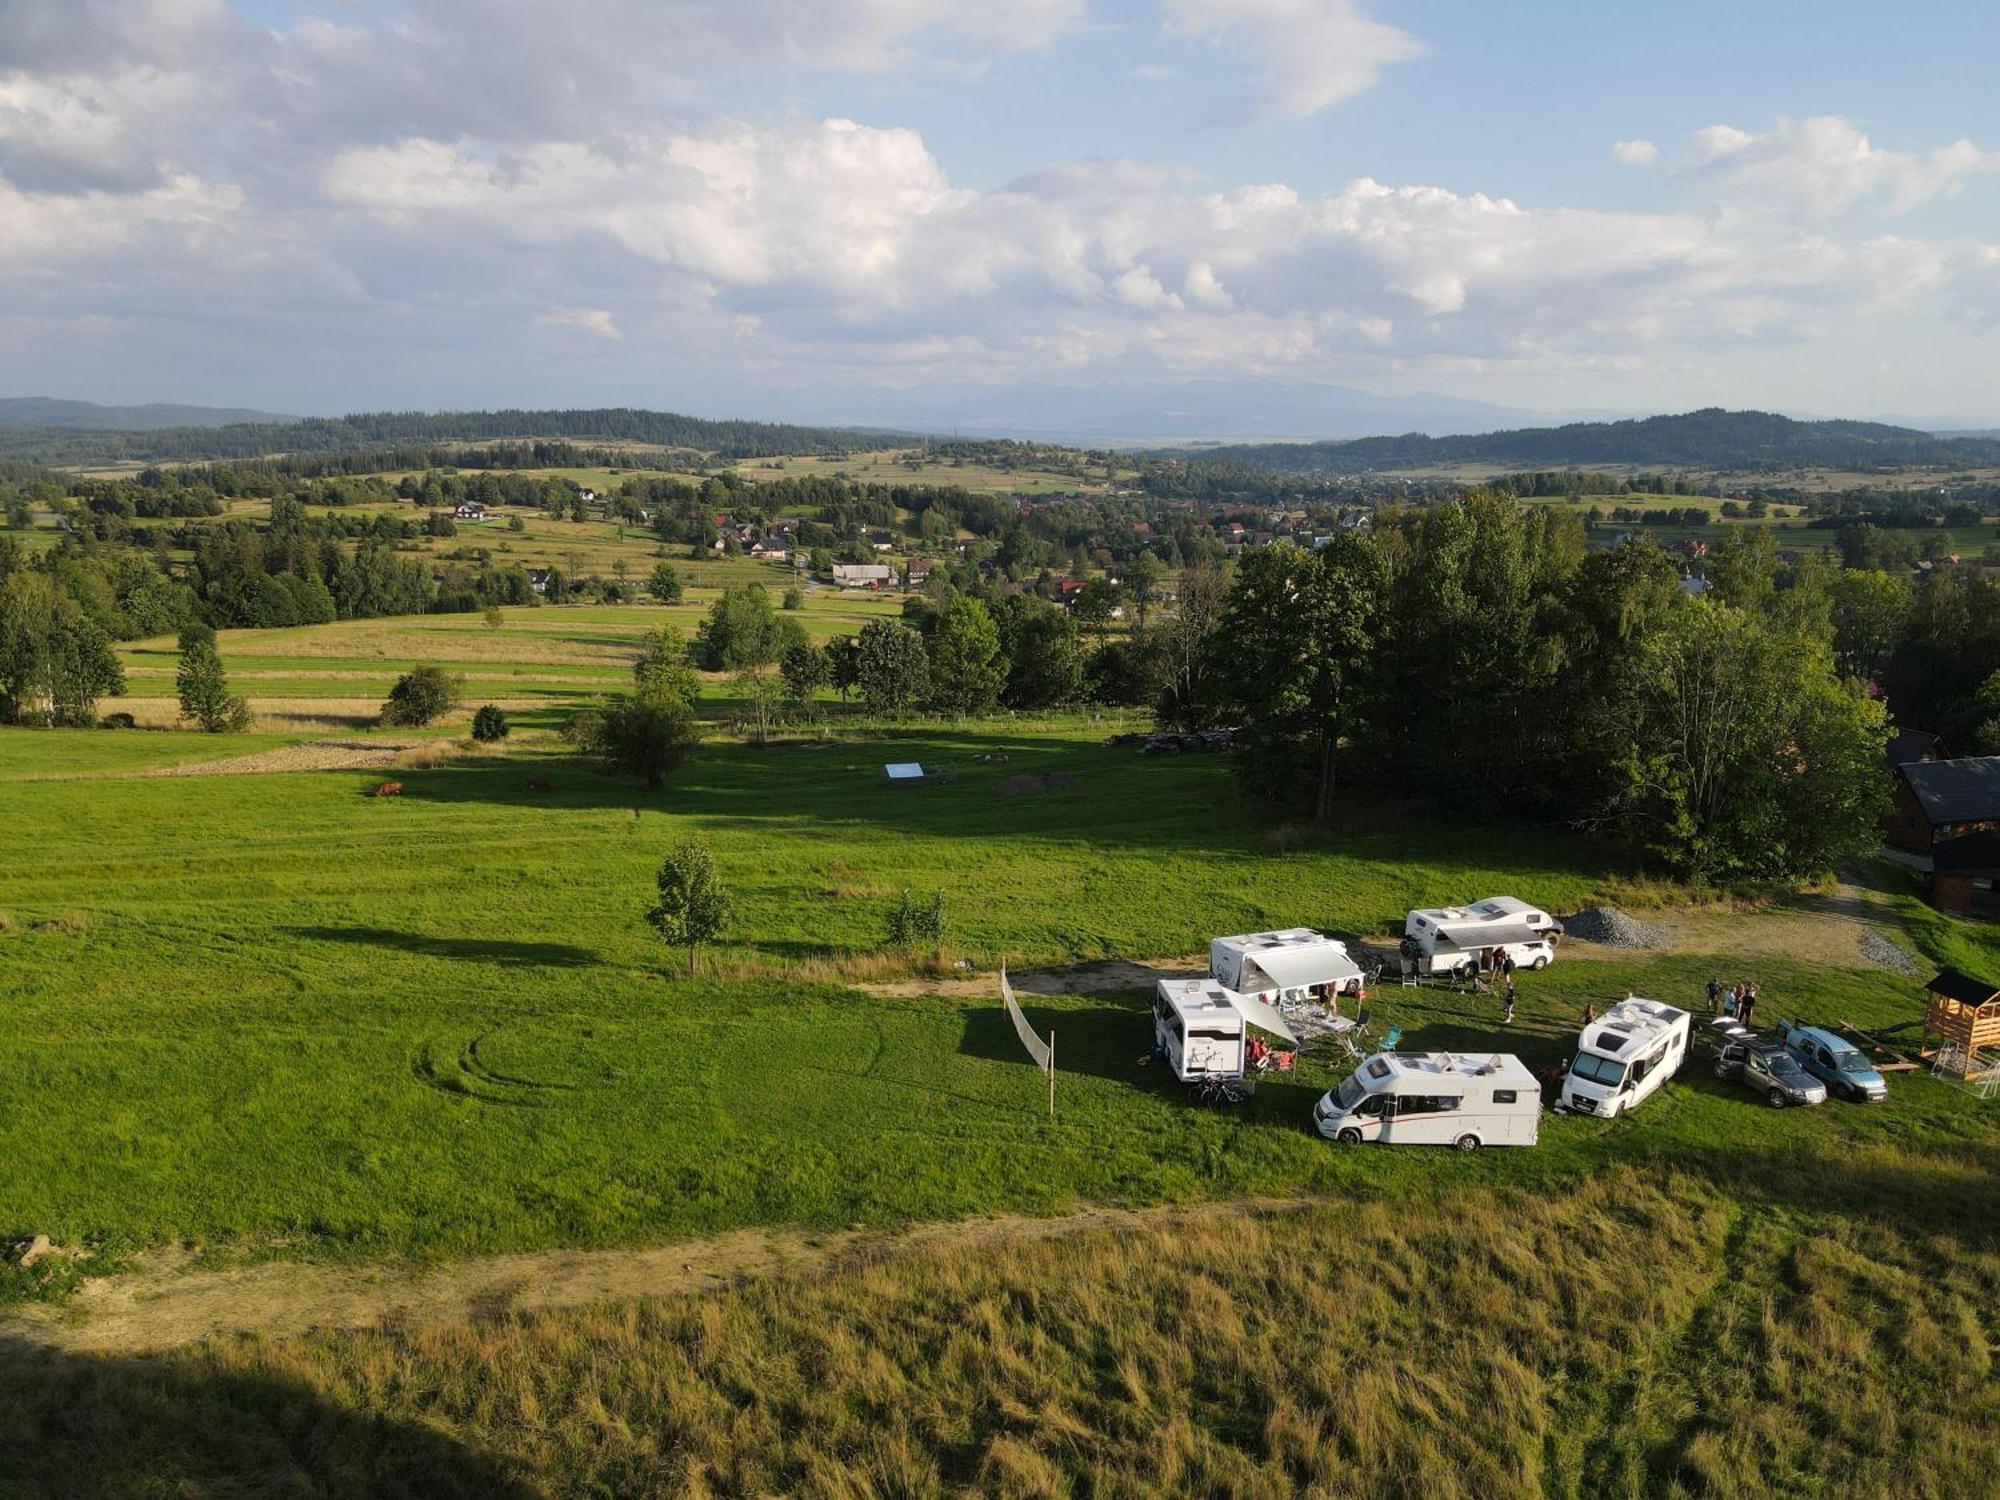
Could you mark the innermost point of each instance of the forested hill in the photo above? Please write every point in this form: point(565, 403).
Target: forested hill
point(46, 411)
point(729, 439)
point(1711, 438)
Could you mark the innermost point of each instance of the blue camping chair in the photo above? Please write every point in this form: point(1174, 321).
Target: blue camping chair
point(1394, 1036)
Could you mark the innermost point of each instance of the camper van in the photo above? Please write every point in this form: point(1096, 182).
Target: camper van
point(1202, 1028)
point(1288, 963)
point(1463, 939)
point(1462, 1099)
point(1624, 1057)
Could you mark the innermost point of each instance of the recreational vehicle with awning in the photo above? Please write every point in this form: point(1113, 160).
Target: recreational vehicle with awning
point(1201, 1028)
point(1462, 1099)
point(1289, 963)
point(1625, 1056)
point(1464, 939)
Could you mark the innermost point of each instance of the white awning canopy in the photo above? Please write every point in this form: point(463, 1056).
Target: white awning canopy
point(1295, 968)
point(1488, 934)
point(1263, 1015)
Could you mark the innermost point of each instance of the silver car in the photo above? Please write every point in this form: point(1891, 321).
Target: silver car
point(1766, 1067)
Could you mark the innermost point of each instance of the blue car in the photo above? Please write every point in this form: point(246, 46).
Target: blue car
point(1833, 1060)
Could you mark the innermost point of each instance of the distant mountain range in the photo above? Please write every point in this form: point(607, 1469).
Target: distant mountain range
point(52, 444)
point(1153, 412)
point(1711, 438)
point(45, 411)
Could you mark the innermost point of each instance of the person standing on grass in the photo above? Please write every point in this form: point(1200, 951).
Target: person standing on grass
point(1749, 1005)
point(1715, 996)
point(1507, 1015)
point(1589, 1012)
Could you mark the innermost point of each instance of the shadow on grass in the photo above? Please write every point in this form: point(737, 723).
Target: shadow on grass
point(478, 950)
point(192, 1425)
point(1115, 1044)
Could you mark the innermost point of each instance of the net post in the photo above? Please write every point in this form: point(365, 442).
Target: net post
point(1052, 1072)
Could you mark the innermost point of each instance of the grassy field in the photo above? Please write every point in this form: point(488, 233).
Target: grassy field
point(547, 659)
point(271, 1011)
point(271, 1018)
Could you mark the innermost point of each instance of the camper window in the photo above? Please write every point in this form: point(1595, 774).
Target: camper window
point(1599, 1070)
point(1378, 1069)
point(1376, 1104)
point(1350, 1092)
point(1426, 1104)
point(1505, 1096)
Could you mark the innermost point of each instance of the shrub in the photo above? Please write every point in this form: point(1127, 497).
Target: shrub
point(914, 923)
point(420, 696)
point(118, 721)
point(489, 724)
point(795, 597)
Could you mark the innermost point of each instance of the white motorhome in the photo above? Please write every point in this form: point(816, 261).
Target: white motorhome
point(1625, 1056)
point(1462, 1099)
point(1463, 939)
point(1289, 963)
point(1201, 1027)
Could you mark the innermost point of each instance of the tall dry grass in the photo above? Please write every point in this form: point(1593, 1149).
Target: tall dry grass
point(1631, 1335)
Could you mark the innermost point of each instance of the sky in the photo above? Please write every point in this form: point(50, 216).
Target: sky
point(860, 210)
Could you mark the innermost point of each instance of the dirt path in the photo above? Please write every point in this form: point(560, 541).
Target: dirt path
point(1096, 978)
point(163, 1303)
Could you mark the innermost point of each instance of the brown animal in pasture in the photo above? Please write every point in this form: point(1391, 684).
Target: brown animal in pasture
point(538, 783)
point(389, 789)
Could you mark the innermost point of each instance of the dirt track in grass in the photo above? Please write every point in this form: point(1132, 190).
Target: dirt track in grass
point(165, 1301)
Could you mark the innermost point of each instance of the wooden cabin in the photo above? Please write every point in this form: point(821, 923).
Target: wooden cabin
point(1964, 1014)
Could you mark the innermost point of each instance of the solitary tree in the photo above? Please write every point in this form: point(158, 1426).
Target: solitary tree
point(204, 690)
point(489, 724)
point(421, 695)
point(666, 584)
point(693, 907)
point(649, 736)
point(662, 667)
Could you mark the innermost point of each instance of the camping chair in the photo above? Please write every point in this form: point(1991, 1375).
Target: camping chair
point(1391, 1038)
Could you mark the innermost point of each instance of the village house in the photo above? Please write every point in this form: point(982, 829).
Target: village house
point(771, 549)
point(863, 575)
point(470, 510)
point(1948, 813)
point(917, 572)
point(538, 580)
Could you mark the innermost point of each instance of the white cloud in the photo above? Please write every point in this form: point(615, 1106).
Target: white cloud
point(1636, 153)
point(1310, 53)
point(1151, 72)
point(595, 321)
point(1826, 166)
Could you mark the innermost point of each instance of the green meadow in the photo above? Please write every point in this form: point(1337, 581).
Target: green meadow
point(275, 1014)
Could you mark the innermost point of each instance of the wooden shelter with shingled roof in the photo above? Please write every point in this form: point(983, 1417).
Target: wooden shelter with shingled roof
point(1965, 1013)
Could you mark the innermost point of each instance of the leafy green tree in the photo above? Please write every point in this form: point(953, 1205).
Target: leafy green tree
point(1870, 610)
point(1142, 586)
point(1300, 630)
point(1195, 674)
point(665, 584)
point(804, 670)
point(648, 737)
point(693, 906)
point(743, 630)
point(1743, 754)
point(422, 695)
point(843, 664)
point(662, 667)
point(1094, 606)
point(1044, 658)
point(967, 669)
point(204, 689)
point(892, 668)
point(795, 597)
point(55, 661)
point(489, 724)
point(19, 516)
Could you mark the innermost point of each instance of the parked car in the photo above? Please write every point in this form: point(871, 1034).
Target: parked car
point(1765, 1066)
point(1834, 1061)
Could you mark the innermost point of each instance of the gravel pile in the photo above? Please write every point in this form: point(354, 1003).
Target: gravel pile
point(1609, 927)
point(1878, 949)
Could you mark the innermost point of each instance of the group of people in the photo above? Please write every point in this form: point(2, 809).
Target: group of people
point(1739, 1001)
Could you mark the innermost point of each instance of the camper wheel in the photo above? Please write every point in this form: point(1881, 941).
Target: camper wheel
point(1540, 963)
point(1467, 1142)
point(1347, 1135)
